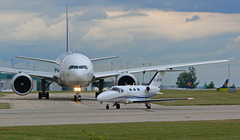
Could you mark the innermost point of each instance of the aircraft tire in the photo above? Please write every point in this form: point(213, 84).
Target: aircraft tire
point(107, 106)
point(118, 106)
point(79, 98)
point(75, 98)
point(39, 95)
point(47, 95)
point(148, 105)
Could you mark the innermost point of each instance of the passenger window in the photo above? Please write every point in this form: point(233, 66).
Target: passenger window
point(122, 90)
point(138, 89)
point(134, 89)
point(130, 89)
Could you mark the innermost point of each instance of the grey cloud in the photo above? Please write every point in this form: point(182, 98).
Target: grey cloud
point(194, 18)
point(130, 14)
point(91, 14)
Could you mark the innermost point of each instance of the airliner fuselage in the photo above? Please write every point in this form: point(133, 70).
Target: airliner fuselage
point(75, 70)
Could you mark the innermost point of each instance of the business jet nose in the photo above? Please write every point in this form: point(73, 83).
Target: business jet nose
point(102, 97)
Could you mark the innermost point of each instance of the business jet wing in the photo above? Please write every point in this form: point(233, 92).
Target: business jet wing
point(107, 74)
point(51, 76)
point(158, 100)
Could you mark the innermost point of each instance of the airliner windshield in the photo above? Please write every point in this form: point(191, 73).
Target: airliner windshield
point(77, 67)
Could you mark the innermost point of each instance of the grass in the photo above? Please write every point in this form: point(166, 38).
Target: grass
point(201, 130)
point(202, 97)
point(4, 105)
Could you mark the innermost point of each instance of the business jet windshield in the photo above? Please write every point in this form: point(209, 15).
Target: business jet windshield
point(117, 89)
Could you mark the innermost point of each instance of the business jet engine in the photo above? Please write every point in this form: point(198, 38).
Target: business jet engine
point(22, 84)
point(125, 79)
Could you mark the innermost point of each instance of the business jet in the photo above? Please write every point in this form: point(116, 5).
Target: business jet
point(134, 93)
point(76, 71)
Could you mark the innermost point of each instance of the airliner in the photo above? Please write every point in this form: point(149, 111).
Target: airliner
point(135, 93)
point(77, 71)
point(189, 84)
point(225, 85)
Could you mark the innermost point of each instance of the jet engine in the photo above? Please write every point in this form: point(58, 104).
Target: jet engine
point(126, 79)
point(22, 84)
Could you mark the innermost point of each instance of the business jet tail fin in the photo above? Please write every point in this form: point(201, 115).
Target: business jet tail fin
point(157, 79)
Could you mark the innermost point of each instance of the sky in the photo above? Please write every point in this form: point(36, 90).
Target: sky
point(141, 32)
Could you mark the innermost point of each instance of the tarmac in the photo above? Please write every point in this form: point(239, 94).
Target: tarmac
point(61, 109)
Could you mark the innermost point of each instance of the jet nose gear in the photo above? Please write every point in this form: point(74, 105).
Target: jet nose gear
point(77, 97)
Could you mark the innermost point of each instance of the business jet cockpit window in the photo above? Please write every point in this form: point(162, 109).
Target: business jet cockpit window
point(77, 67)
point(117, 89)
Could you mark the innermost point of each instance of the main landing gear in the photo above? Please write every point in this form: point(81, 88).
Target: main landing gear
point(148, 105)
point(44, 87)
point(100, 87)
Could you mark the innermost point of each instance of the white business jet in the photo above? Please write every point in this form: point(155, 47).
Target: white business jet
point(134, 93)
point(76, 71)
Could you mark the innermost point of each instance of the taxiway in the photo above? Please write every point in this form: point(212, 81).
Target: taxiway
point(60, 109)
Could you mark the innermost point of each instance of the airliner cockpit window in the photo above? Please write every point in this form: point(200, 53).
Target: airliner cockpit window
point(83, 67)
point(77, 67)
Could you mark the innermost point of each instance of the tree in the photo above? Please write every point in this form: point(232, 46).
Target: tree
point(211, 85)
point(186, 76)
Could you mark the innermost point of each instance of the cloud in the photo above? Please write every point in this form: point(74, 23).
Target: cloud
point(91, 14)
point(107, 39)
point(194, 18)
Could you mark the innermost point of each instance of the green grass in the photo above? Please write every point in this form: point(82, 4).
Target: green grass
point(201, 130)
point(202, 97)
point(4, 105)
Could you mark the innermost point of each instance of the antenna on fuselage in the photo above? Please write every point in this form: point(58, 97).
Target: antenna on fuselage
point(67, 33)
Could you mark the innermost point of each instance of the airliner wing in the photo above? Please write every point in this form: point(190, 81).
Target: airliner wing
point(104, 58)
point(158, 100)
point(39, 59)
point(107, 74)
point(38, 74)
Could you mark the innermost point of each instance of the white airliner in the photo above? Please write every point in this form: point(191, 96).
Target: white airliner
point(76, 70)
point(134, 93)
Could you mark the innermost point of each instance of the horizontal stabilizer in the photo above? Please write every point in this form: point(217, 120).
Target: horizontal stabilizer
point(104, 58)
point(39, 59)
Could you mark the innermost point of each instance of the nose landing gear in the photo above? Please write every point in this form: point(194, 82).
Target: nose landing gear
point(77, 97)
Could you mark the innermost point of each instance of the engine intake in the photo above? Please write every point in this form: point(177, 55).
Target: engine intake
point(126, 79)
point(22, 84)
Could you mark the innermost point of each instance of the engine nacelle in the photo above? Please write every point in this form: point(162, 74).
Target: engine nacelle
point(22, 84)
point(126, 79)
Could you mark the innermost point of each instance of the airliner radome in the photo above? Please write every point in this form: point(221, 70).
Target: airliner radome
point(77, 71)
